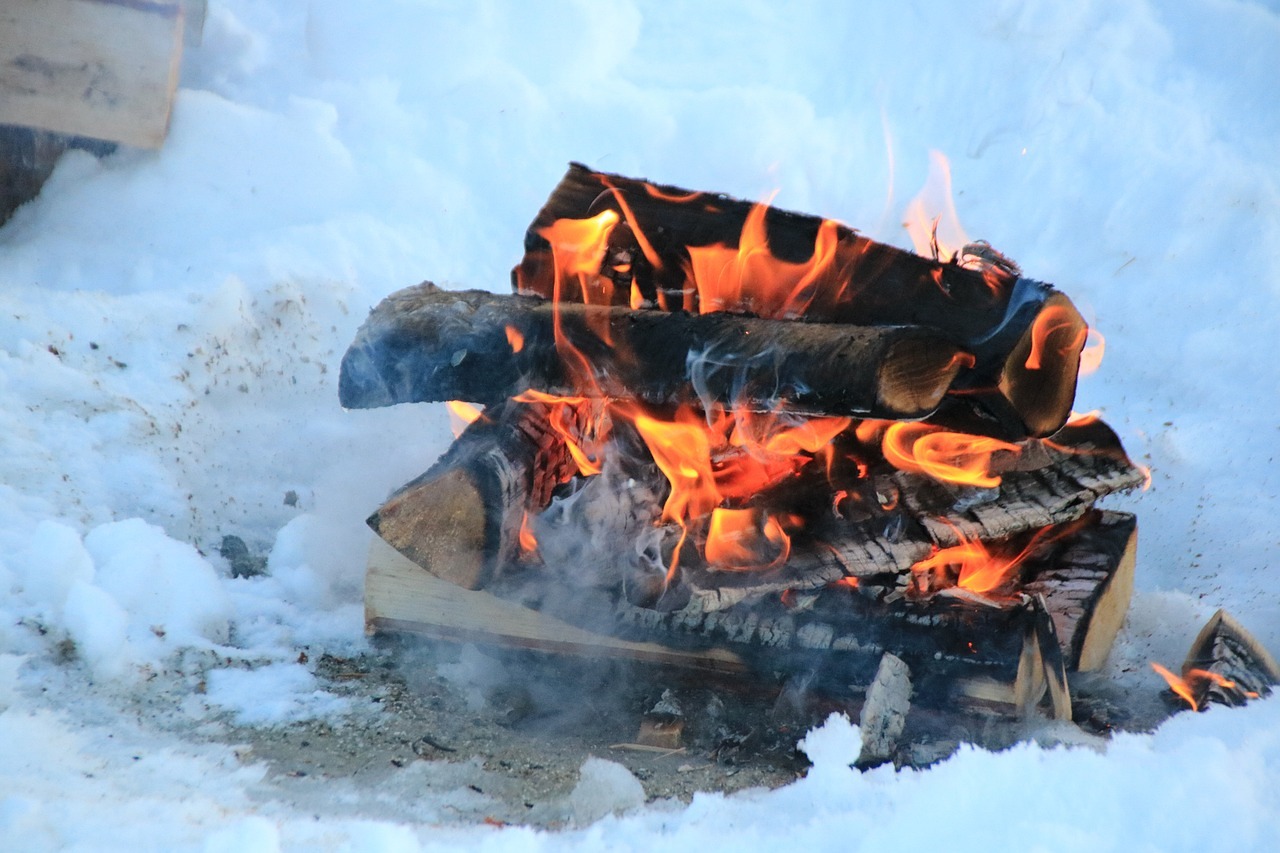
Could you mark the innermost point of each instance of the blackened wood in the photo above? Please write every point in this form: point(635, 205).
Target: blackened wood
point(427, 344)
point(461, 520)
point(988, 310)
point(1244, 669)
point(1087, 588)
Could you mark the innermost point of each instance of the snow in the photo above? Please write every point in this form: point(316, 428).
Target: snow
point(171, 323)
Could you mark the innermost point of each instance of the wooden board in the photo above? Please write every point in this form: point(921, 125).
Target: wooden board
point(106, 69)
point(401, 597)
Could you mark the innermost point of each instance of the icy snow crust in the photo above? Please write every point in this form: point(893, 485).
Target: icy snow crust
point(171, 324)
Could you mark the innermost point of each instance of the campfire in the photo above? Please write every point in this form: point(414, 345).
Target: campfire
point(724, 436)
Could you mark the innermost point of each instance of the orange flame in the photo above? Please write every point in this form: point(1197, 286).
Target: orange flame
point(1052, 321)
point(941, 236)
point(578, 248)
point(746, 539)
point(515, 338)
point(979, 571)
point(561, 418)
point(1178, 685)
point(951, 457)
point(461, 415)
point(528, 542)
point(750, 278)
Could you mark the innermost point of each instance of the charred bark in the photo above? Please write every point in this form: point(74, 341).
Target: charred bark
point(1025, 336)
point(427, 344)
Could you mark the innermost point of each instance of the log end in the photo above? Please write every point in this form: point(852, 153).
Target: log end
point(1039, 376)
point(916, 373)
point(1109, 611)
point(440, 525)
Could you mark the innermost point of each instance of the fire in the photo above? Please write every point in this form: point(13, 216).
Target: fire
point(951, 457)
point(528, 542)
point(941, 236)
point(682, 451)
point(746, 539)
point(578, 247)
point(1091, 356)
point(563, 418)
point(515, 338)
point(750, 278)
point(978, 571)
point(461, 415)
point(1192, 682)
point(1178, 685)
point(1050, 326)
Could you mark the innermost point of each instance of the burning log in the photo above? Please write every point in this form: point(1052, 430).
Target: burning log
point(424, 344)
point(607, 239)
point(1225, 665)
point(462, 520)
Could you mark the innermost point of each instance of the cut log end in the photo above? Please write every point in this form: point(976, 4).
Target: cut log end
point(916, 373)
point(449, 539)
point(1039, 376)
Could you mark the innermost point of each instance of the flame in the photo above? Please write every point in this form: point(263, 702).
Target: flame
point(528, 542)
point(939, 237)
point(1177, 685)
point(745, 539)
point(515, 338)
point(1051, 323)
point(1091, 356)
point(682, 451)
point(461, 415)
point(563, 417)
point(979, 571)
point(578, 248)
point(951, 457)
point(750, 278)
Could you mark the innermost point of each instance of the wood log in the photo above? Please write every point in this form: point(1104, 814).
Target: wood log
point(402, 598)
point(461, 520)
point(106, 69)
point(1025, 336)
point(427, 344)
point(1226, 665)
point(884, 713)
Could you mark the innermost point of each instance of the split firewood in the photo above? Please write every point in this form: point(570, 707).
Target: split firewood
point(426, 344)
point(687, 251)
point(884, 713)
point(462, 520)
point(1226, 665)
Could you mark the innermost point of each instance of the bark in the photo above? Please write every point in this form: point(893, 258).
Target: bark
point(427, 344)
point(1025, 336)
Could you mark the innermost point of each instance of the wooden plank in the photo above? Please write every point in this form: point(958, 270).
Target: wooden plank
point(401, 597)
point(106, 69)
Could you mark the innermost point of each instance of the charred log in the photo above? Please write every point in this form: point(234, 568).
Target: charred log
point(1026, 337)
point(427, 344)
point(1226, 665)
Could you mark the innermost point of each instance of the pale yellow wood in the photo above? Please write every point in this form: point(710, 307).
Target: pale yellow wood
point(1109, 613)
point(106, 69)
point(400, 596)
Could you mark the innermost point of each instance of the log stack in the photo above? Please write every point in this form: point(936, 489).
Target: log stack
point(638, 303)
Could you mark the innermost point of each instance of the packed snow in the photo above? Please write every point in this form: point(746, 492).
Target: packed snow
point(171, 323)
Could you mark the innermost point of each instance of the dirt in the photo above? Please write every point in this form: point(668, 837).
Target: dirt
point(454, 734)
